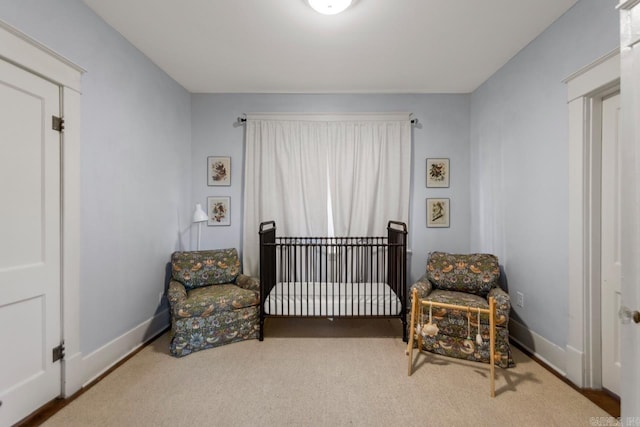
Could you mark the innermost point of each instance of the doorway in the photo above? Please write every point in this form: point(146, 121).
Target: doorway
point(587, 88)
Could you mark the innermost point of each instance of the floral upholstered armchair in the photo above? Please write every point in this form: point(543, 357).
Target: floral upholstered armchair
point(211, 302)
point(467, 280)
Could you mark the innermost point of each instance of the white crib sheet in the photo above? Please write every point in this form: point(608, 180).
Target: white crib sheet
point(332, 299)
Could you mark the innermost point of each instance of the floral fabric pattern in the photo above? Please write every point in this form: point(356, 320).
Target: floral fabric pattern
point(503, 305)
point(463, 348)
point(471, 300)
point(467, 280)
point(203, 268)
point(423, 285)
point(473, 273)
point(211, 303)
point(207, 300)
point(248, 282)
point(199, 333)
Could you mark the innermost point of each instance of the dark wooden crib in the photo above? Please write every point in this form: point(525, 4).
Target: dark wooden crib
point(354, 277)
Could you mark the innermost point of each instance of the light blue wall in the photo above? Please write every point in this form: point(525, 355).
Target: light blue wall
point(135, 157)
point(519, 162)
point(142, 133)
point(443, 132)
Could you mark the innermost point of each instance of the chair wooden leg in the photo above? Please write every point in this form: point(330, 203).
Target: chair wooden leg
point(411, 324)
point(410, 366)
point(412, 329)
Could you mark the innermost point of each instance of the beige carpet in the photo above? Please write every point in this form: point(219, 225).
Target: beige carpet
point(316, 372)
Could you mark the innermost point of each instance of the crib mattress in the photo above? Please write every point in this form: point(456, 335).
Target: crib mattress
point(332, 299)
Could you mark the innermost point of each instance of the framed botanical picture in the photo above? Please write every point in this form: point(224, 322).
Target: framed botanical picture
point(438, 211)
point(218, 209)
point(438, 173)
point(218, 171)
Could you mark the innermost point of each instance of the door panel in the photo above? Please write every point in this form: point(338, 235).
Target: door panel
point(26, 338)
point(21, 160)
point(29, 242)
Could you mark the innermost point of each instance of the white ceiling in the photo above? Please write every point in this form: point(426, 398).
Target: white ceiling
point(375, 46)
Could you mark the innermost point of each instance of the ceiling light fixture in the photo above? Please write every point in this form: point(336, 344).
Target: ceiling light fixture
point(329, 7)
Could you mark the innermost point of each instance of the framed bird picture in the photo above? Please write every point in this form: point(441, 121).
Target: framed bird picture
point(219, 210)
point(438, 213)
point(218, 171)
point(437, 173)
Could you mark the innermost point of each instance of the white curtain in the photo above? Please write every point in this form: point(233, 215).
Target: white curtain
point(293, 163)
point(369, 173)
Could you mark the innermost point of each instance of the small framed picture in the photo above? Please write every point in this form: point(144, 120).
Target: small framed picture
point(438, 173)
point(218, 171)
point(438, 211)
point(219, 210)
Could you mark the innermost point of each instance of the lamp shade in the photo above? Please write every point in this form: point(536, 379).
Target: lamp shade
point(329, 7)
point(199, 215)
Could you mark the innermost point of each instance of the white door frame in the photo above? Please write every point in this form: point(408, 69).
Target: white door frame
point(610, 244)
point(586, 88)
point(21, 50)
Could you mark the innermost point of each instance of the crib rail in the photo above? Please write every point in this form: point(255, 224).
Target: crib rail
point(333, 276)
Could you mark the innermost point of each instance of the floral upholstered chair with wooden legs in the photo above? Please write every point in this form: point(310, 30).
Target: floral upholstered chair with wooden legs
point(211, 302)
point(467, 280)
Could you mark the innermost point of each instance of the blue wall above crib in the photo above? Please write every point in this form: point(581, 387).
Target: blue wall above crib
point(443, 131)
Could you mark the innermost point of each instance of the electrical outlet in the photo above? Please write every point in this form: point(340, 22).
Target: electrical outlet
point(520, 299)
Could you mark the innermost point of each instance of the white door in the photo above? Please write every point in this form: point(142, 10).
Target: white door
point(630, 203)
point(610, 244)
point(30, 283)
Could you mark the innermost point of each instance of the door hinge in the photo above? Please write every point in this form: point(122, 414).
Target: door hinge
point(58, 352)
point(57, 123)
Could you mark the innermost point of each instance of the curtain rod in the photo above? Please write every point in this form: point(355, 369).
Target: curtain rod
point(243, 119)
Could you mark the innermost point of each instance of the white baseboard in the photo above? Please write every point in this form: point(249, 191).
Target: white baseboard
point(73, 377)
point(101, 360)
point(575, 366)
point(551, 354)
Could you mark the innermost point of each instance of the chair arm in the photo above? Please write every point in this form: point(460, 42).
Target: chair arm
point(423, 285)
point(176, 295)
point(503, 305)
point(248, 282)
